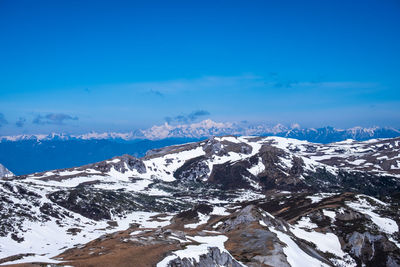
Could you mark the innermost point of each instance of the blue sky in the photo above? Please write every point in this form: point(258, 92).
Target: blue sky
point(76, 66)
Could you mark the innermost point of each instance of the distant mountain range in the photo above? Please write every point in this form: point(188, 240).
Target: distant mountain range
point(208, 128)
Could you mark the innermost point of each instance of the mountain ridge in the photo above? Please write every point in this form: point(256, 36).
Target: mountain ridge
point(209, 128)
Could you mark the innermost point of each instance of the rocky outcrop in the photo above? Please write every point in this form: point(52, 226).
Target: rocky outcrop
point(121, 164)
point(216, 147)
point(374, 250)
point(252, 238)
point(232, 176)
point(193, 169)
point(213, 258)
point(359, 236)
point(100, 204)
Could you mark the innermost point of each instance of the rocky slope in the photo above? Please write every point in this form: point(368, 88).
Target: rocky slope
point(225, 201)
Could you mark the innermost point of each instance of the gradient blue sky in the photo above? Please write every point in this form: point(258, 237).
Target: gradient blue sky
point(76, 66)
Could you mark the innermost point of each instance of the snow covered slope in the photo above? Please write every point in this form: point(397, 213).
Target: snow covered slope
point(212, 201)
point(4, 172)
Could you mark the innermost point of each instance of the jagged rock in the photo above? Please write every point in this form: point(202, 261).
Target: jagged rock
point(134, 163)
point(193, 169)
point(120, 164)
point(213, 258)
point(192, 214)
point(349, 215)
point(371, 249)
point(231, 176)
point(244, 216)
point(214, 147)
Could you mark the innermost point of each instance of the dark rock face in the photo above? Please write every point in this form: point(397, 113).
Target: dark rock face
point(99, 204)
point(214, 147)
point(230, 176)
point(383, 187)
point(96, 205)
point(372, 250)
point(18, 209)
point(49, 210)
point(131, 162)
point(192, 214)
point(193, 169)
point(373, 185)
point(276, 176)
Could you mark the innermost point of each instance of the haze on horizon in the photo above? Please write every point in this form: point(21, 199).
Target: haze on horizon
point(117, 66)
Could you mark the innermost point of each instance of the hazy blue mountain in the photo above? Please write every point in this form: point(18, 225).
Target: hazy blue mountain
point(209, 128)
point(327, 135)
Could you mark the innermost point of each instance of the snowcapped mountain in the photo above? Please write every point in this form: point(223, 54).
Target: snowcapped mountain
point(4, 172)
point(224, 201)
point(209, 128)
point(329, 134)
point(205, 128)
point(66, 137)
